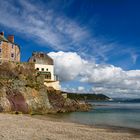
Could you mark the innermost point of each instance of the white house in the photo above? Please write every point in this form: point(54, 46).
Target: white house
point(45, 66)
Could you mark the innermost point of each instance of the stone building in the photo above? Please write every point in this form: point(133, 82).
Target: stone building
point(45, 66)
point(9, 50)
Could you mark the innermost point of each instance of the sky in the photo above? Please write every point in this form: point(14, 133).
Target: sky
point(94, 43)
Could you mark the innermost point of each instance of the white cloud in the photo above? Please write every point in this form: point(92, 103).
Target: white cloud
point(106, 79)
point(62, 33)
point(43, 23)
point(81, 89)
point(134, 57)
point(101, 73)
point(67, 65)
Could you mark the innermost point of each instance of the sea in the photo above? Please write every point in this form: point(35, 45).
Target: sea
point(116, 113)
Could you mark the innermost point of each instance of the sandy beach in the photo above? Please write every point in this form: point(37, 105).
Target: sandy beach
point(21, 127)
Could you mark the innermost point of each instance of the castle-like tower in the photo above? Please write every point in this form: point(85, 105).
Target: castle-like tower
point(9, 51)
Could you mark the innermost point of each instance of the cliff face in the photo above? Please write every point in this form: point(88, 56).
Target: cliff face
point(61, 104)
point(23, 90)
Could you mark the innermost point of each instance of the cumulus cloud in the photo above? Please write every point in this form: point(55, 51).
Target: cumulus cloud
point(67, 65)
point(81, 89)
point(106, 79)
point(47, 25)
point(78, 89)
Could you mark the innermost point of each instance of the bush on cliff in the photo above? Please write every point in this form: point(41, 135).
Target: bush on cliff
point(23, 90)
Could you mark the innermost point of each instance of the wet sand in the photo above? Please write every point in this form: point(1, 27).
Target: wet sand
point(25, 127)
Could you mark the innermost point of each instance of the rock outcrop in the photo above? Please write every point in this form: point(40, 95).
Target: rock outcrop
point(23, 90)
point(61, 104)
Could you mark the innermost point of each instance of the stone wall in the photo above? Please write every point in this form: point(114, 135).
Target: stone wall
point(12, 70)
point(7, 49)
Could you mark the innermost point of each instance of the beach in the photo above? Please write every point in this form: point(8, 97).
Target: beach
point(26, 127)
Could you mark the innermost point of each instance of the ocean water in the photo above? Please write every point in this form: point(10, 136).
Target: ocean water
point(109, 113)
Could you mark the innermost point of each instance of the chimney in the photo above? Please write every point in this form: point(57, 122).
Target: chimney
point(2, 33)
point(11, 38)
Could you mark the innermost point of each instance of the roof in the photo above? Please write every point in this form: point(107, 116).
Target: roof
point(2, 38)
point(41, 58)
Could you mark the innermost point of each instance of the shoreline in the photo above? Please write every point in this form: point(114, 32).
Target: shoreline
point(121, 129)
point(24, 127)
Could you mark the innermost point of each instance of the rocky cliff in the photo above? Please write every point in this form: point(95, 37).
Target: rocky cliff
point(23, 90)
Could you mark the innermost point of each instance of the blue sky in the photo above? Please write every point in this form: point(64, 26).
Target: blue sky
point(101, 35)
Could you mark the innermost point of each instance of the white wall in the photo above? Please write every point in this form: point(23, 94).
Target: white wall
point(55, 85)
point(49, 67)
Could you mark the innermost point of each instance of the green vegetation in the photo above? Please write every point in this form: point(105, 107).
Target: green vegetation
point(88, 96)
point(22, 89)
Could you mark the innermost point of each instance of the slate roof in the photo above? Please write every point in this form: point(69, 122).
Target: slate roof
point(2, 38)
point(41, 58)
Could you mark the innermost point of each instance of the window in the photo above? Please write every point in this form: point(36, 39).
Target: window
point(0, 52)
point(12, 46)
point(46, 69)
point(41, 55)
point(34, 60)
point(12, 55)
point(42, 69)
point(0, 43)
point(37, 69)
point(48, 76)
